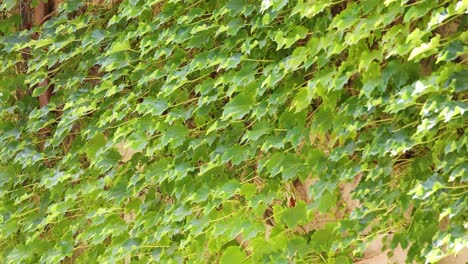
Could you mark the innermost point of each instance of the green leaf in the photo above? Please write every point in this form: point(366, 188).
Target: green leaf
point(259, 129)
point(248, 190)
point(236, 6)
point(138, 141)
point(326, 202)
point(346, 18)
point(39, 90)
point(342, 260)
point(153, 106)
point(233, 255)
point(309, 9)
point(8, 4)
point(174, 135)
point(236, 154)
point(228, 189)
point(238, 107)
point(427, 48)
point(293, 216)
point(297, 58)
point(453, 50)
point(321, 240)
point(303, 99)
point(118, 46)
point(322, 120)
point(418, 11)
point(291, 167)
point(94, 145)
point(295, 34)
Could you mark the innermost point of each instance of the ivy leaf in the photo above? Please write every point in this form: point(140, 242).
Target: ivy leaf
point(427, 48)
point(174, 135)
point(248, 190)
point(321, 240)
point(265, 5)
point(228, 189)
point(428, 187)
point(233, 27)
point(291, 167)
point(279, 4)
point(298, 245)
point(39, 90)
point(295, 34)
point(138, 141)
point(326, 201)
point(309, 10)
point(322, 120)
point(287, 39)
point(258, 130)
point(346, 18)
point(17, 254)
point(297, 58)
point(236, 154)
point(8, 5)
point(233, 255)
point(118, 46)
point(153, 106)
point(236, 6)
point(273, 165)
point(293, 216)
point(453, 50)
point(237, 108)
point(343, 260)
point(94, 145)
point(418, 11)
point(303, 99)
point(58, 176)
point(460, 80)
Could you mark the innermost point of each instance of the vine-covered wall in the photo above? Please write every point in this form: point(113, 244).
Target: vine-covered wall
point(246, 121)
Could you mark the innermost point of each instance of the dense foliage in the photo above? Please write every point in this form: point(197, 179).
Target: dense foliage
point(206, 131)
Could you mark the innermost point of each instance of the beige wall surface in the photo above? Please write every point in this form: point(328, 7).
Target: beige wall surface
point(374, 255)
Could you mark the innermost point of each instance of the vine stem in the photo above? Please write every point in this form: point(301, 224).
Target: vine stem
point(454, 187)
point(256, 60)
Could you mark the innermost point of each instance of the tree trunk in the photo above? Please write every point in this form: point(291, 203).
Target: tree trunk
point(40, 12)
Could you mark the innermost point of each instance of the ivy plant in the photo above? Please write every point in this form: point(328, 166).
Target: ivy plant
point(187, 131)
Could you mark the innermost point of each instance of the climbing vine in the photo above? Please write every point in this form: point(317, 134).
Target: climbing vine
point(227, 131)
